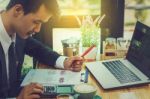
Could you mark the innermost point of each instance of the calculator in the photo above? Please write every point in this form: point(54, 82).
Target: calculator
point(52, 91)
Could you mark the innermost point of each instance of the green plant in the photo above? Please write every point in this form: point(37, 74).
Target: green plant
point(90, 30)
point(90, 35)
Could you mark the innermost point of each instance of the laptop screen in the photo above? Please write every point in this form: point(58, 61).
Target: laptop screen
point(139, 50)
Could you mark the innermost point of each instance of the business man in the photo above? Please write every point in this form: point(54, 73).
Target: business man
point(20, 20)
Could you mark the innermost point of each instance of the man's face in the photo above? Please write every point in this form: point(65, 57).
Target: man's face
point(29, 24)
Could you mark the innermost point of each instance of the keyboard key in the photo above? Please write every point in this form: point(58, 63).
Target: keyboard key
point(122, 73)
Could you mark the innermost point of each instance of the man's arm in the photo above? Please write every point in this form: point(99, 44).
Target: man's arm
point(48, 57)
point(40, 52)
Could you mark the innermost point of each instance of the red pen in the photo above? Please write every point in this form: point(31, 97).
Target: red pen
point(87, 51)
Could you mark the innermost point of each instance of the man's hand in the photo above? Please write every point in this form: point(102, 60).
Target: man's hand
point(73, 63)
point(31, 91)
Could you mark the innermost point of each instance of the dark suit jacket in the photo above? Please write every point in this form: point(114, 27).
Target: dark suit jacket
point(30, 47)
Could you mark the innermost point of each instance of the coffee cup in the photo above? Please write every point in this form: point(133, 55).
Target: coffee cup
point(85, 91)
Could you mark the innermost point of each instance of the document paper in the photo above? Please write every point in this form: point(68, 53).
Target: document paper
point(52, 77)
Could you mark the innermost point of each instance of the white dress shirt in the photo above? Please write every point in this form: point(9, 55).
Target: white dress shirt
point(5, 41)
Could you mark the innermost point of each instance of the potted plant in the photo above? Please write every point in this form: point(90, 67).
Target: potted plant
point(90, 35)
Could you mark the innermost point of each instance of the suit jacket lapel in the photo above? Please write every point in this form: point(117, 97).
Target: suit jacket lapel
point(3, 72)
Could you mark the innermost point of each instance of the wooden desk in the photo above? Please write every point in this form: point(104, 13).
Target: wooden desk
point(140, 92)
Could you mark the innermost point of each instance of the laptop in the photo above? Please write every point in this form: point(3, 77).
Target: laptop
point(130, 71)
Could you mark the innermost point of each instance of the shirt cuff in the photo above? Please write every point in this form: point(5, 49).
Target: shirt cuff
point(60, 62)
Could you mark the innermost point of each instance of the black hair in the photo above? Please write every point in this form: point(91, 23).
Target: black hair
point(31, 6)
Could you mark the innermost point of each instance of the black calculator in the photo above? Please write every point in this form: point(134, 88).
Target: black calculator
point(52, 91)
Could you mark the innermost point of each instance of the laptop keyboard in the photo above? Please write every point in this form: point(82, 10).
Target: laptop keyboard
point(121, 72)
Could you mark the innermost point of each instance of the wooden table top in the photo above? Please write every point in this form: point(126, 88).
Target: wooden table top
point(138, 92)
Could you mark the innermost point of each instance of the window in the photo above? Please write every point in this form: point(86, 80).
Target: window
point(136, 10)
point(80, 7)
point(3, 3)
point(68, 26)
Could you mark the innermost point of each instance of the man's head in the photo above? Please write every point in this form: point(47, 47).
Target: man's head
point(28, 15)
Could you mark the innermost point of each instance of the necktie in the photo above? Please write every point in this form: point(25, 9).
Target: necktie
point(12, 68)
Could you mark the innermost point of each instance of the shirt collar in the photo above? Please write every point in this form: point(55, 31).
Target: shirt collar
point(5, 39)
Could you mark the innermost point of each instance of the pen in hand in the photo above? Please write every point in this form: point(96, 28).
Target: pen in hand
point(84, 53)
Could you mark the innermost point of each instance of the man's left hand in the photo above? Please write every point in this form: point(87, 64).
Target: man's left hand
point(73, 63)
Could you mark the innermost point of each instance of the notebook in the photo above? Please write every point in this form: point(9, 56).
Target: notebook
point(130, 71)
